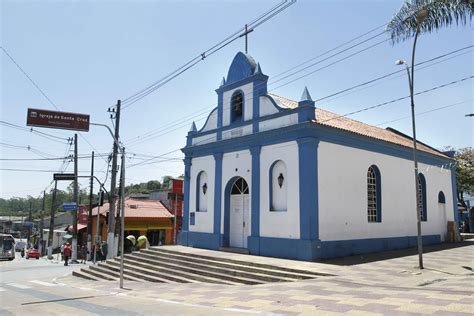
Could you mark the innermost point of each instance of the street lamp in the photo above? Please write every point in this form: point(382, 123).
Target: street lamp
point(420, 17)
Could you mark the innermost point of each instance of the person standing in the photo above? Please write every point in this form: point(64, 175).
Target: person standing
point(67, 253)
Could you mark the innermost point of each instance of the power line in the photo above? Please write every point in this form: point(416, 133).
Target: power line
point(180, 123)
point(398, 99)
point(127, 102)
point(426, 112)
point(205, 110)
point(336, 117)
point(29, 78)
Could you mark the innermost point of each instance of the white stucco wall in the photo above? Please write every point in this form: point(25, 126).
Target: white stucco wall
point(342, 195)
point(247, 89)
point(205, 139)
point(266, 106)
point(211, 122)
point(204, 221)
point(280, 224)
point(236, 164)
point(237, 132)
point(285, 120)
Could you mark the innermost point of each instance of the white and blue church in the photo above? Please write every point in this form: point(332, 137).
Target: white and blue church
point(283, 178)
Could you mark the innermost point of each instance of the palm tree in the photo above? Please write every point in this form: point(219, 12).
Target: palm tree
point(439, 13)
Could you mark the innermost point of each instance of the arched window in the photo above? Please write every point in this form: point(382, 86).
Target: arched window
point(278, 186)
point(237, 106)
point(422, 197)
point(441, 198)
point(374, 195)
point(201, 192)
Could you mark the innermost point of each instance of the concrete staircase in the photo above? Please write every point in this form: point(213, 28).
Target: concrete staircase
point(167, 266)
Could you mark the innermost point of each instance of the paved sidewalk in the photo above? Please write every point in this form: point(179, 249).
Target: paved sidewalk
point(364, 285)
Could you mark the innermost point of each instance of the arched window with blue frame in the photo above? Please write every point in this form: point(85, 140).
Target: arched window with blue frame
point(201, 192)
point(278, 186)
point(237, 106)
point(374, 195)
point(422, 197)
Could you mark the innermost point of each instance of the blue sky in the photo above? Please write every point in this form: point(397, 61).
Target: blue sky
point(87, 54)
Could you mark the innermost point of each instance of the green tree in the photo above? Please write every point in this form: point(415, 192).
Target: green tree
point(153, 185)
point(166, 182)
point(440, 13)
point(464, 172)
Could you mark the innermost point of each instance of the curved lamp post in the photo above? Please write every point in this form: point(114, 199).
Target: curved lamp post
point(420, 17)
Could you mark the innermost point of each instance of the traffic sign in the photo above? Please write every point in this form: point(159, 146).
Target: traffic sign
point(70, 206)
point(56, 119)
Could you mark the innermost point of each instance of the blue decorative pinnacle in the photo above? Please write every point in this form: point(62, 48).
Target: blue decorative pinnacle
point(222, 82)
point(258, 70)
point(306, 98)
point(193, 128)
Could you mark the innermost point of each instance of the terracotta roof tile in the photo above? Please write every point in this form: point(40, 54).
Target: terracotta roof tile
point(333, 120)
point(139, 209)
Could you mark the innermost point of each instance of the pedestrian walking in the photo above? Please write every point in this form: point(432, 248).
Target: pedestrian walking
point(67, 253)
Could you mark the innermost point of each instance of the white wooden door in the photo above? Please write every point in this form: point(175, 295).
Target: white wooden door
point(239, 214)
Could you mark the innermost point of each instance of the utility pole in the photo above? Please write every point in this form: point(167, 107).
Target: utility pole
point(113, 181)
point(118, 236)
point(75, 199)
point(29, 229)
point(51, 223)
point(89, 217)
point(41, 226)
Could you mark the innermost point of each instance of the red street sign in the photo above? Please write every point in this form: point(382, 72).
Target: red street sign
point(55, 119)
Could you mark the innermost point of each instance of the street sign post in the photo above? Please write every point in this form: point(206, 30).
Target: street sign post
point(70, 206)
point(56, 119)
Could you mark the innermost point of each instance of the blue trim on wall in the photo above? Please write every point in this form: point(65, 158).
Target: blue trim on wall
point(220, 110)
point(192, 218)
point(340, 248)
point(217, 193)
point(255, 192)
point(187, 176)
point(312, 250)
point(308, 187)
point(242, 82)
point(455, 195)
point(423, 197)
point(204, 240)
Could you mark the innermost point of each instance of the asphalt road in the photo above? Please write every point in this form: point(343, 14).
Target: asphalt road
point(29, 287)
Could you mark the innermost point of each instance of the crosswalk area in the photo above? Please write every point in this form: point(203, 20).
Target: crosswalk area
point(29, 285)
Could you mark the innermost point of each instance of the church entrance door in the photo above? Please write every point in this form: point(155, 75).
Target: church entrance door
point(239, 214)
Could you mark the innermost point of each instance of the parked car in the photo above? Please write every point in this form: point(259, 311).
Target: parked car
point(32, 253)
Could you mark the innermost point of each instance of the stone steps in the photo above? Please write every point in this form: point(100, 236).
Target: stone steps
point(212, 270)
point(173, 272)
point(305, 274)
point(160, 265)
